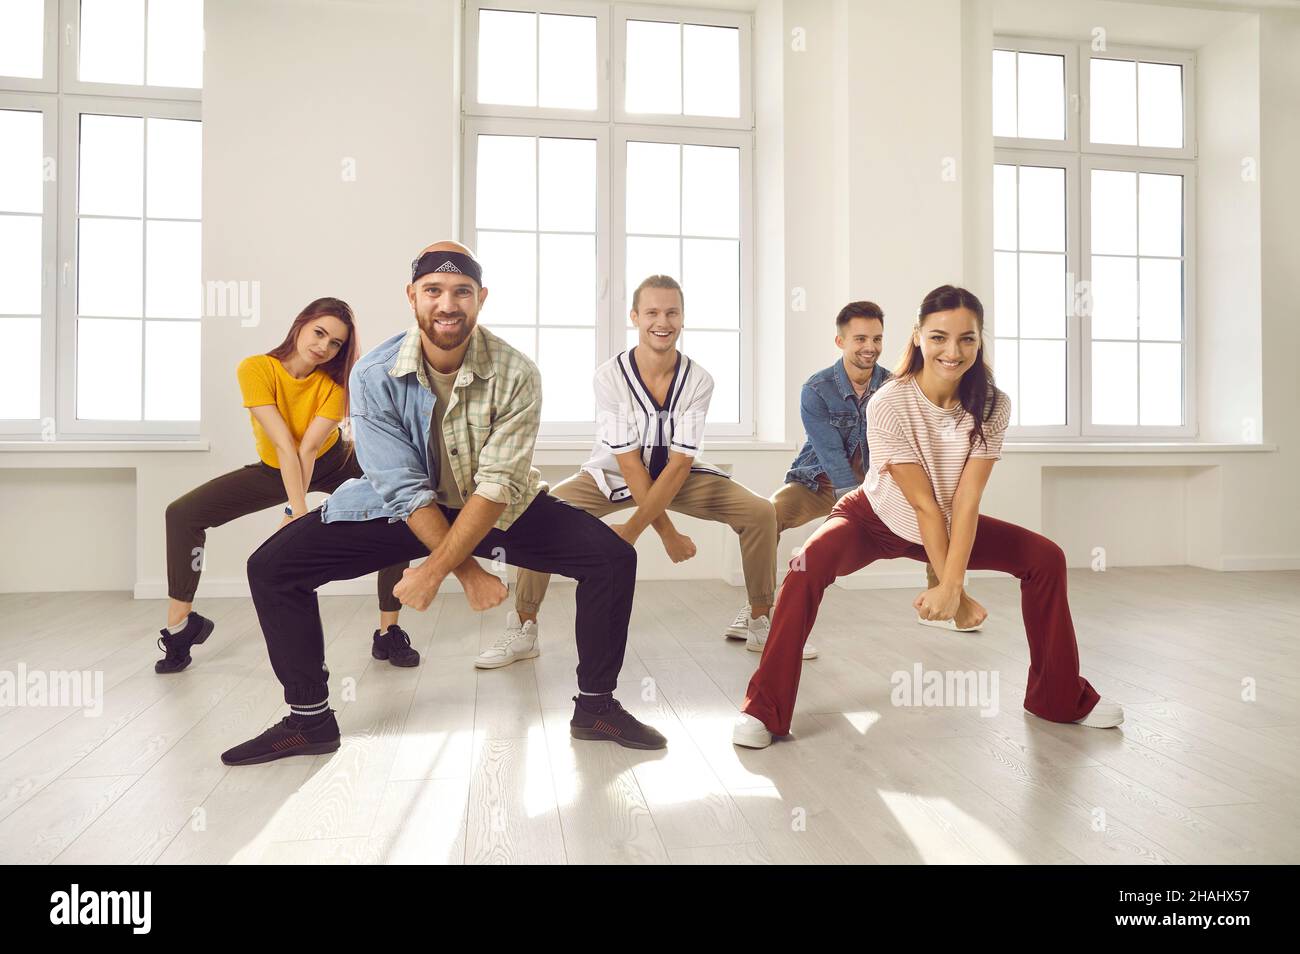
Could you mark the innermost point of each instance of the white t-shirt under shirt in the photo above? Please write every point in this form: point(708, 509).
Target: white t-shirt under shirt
point(904, 427)
point(627, 417)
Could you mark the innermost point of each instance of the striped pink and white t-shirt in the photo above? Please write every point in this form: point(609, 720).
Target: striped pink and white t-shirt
point(904, 427)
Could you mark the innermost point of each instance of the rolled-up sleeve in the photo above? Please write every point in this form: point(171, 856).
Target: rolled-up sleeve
point(506, 457)
point(995, 430)
point(385, 451)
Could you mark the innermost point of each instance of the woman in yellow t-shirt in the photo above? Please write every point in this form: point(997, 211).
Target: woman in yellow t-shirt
point(297, 396)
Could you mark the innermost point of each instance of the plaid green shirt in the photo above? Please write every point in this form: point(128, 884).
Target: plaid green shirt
point(490, 424)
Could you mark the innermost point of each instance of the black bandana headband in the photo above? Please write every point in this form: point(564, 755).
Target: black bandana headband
point(455, 262)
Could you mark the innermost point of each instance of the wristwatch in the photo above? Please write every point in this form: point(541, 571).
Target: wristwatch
point(288, 511)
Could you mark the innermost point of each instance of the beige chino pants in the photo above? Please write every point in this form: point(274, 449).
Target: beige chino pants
point(706, 496)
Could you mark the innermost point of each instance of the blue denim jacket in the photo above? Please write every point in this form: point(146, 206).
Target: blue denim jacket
point(835, 428)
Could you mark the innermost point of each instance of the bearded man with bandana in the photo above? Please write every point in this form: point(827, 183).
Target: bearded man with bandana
point(445, 418)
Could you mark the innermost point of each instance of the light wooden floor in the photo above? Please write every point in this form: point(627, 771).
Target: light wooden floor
point(445, 764)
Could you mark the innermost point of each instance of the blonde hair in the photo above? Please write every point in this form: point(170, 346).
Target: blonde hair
point(658, 281)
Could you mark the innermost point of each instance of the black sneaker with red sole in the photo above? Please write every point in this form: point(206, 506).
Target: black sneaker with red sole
point(289, 736)
point(613, 724)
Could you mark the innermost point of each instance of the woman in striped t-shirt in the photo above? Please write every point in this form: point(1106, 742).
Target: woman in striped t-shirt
point(934, 432)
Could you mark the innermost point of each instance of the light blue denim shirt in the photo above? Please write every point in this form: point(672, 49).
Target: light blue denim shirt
point(836, 426)
point(490, 429)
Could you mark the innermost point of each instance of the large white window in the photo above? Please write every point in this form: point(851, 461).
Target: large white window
point(1093, 194)
point(604, 144)
point(100, 291)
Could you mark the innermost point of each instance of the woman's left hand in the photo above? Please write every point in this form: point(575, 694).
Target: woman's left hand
point(938, 602)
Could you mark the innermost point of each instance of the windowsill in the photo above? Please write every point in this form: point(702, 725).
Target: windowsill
point(103, 446)
point(1134, 447)
point(711, 445)
point(560, 447)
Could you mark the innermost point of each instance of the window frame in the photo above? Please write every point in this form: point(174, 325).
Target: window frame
point(1084, 158)
point(619, 291)
point(1141, 164)
point(612, 135)
point(1072, 104)
point(1145, 54)
point(692, 16)
point(62, 99)
point(470, 106)
point(1073, 339)
point(47, 104)
point(73, 107)
point(48, 81)
point(500, 126)
point(69, 64)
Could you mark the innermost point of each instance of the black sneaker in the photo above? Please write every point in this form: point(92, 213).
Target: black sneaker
point(290, 736)
point(395, 646)
point(613, 724)
point(177, 645)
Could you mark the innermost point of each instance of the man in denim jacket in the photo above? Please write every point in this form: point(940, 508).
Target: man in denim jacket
point(832, 405)
point(445, 418)
point(834, 456)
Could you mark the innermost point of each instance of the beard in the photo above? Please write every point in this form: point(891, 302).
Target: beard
point(442, 338)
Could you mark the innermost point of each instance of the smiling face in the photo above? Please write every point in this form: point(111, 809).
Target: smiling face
point(861, 340)
point(320, 339)
point(446, 306)
point(949, 343)
point(658, 319)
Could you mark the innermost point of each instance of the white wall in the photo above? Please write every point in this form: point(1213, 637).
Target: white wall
point(1228, 236)
point(67, 529)
point(851, 202)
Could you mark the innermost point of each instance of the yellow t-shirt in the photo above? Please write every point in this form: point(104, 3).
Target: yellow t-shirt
point(264, 380)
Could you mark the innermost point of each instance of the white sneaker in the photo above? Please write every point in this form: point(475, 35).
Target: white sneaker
point(739, 628)
point(519, 642)
point(757, 638)
point(750, 733)
point(1104, 715)
point(950, 624)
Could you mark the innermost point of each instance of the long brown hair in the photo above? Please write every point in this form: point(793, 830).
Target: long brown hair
point(976, 390)
point(339, 367)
